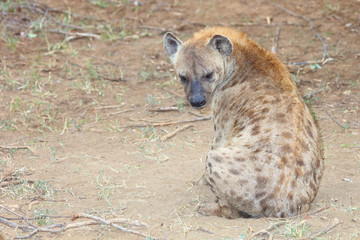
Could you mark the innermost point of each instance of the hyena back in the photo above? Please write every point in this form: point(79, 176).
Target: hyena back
point(265, 158)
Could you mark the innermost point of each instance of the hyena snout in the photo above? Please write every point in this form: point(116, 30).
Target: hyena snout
point(198, 101)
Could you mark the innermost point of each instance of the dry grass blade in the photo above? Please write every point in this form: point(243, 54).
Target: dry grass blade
point(276, 40)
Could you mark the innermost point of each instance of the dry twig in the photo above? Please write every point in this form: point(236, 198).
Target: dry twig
point(158, 124)
point(310, 94)
point(173, 133)
point(164, 109)
point(116, 113)
point(268, 229)
point(335, 121)
point(337, 222)
point(57, 228)
point(16, 148)
point(109, 107)
point(75, 35)
point(313, 31)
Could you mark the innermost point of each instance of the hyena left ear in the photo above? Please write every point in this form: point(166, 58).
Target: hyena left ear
point(222, 44)
point(172, 46)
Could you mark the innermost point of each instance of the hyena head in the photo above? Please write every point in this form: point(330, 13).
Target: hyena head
point(199, 64)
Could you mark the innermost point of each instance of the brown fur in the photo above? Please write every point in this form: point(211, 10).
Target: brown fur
point(266, 158)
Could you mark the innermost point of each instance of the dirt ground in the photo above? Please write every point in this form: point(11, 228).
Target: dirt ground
point(82, 120)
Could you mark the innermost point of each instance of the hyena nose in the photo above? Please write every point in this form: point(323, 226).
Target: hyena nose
point(198, 101)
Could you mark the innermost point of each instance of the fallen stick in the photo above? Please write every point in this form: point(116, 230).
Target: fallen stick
point(109, 107)
point(158, 124)
point(116, 113)
point(164, 109)
point(16, 147)
point(325, 230)
point(5, 183)
point(110, 223)
point(268, 229)
point(74, 35)
point(57, 228)
point(313, 31)
point(310, 94)
point(334, 120)
point(176, 131)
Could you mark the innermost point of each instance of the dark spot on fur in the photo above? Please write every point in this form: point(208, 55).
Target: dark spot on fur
point(268, 130)
point(239, 159)
point(312, 186)
point(280, 117)
point(309, 131)
point(211, 180)
point(238, 127)
point(255, 130)
point(256, 120)
point(291, 195)
point(253, 158)
point(317, 161)
point(264, 139)
point(304, 146)
point(284, 160)
point(232, 193)
point(265, 110)
point(260, 194)
point(242, 182)
point(259, 98)
point(286, 148)
point(257, 151)
point(286, 134)
point(248, 146)
point(257, 169)
point(216, 175)
point(234, 171)
point(299, 161)
point(293, 183)
point(261, 182)
point(289, 108)
point(217, 159)
point(263, 204)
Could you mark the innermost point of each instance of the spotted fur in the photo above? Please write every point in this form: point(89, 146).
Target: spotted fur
point(265, 158)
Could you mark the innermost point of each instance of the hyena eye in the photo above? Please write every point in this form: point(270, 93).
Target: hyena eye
point(209, 76)
point(183, 79)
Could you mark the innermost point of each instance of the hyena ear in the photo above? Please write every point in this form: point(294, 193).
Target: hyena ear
point(222, 44)
point(172, 46)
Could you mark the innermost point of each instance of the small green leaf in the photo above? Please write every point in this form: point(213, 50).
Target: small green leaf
point(32, 35)
point(315, 66)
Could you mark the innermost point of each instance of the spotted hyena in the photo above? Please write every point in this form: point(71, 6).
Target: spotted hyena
point(265, 158)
